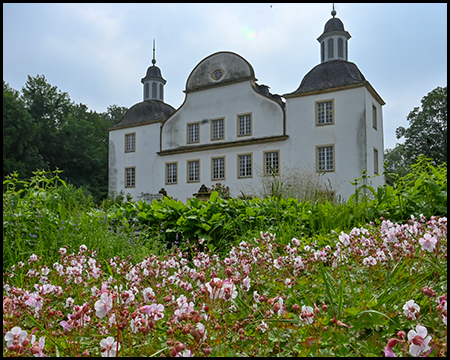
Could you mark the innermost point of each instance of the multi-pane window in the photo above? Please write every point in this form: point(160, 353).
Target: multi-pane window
point(245, 165)
point(193, 132)
point(374, 116)
point(244, 125)
point(130, 142)
point(218, 168)
point(130, 177)
point(325, 112)
point(325, 158)
point(171, 173)
point(194, 171)
point(217, 129)
point(375, 161)
point(271, 162)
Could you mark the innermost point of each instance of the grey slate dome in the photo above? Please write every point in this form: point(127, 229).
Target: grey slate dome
point(153, 73)
point(334, 24)
point(231, 66)
point(146, 111)
point(329, 75)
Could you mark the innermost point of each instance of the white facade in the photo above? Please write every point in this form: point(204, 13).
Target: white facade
point(229, 129)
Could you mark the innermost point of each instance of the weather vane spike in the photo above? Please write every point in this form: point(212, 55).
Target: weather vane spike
point(333, 12)
point(153, 60)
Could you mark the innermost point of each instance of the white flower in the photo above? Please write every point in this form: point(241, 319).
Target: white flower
point(428, 242)
point(419, 340)
point(344, 239)
point(110, 347)
point(185, 353)
point(104, 305)
point(16, 333)
point(246, 284)
point(307, 310)
point(411, 310)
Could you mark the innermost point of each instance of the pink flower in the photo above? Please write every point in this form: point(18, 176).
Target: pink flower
point(428, 242)
point(109, 347)
point(37, 348)
point(104, 305)
point(419, 340)
point(344, 239)
point(388, 352)
point(153, 310)
point(411, 310)
point(16, 333)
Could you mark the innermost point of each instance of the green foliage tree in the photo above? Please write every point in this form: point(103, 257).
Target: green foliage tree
point(426, 134)
point(20, 149)
point(43, 129)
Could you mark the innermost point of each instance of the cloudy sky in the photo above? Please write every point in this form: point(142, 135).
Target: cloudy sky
point(98, 53)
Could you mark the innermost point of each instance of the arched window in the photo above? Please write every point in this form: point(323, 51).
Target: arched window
point(147, 91)
point(340, 48)
point(161, 92)
point(330, 48)
point(153, 90)
point(322, 51)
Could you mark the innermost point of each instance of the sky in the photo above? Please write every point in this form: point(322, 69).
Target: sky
point(98, 53)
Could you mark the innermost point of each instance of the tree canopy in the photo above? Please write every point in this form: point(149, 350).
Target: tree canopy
point(426, 134)
point(44, 129)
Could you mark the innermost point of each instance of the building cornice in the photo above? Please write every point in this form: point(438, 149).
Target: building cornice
point(135, 125)
point(222, 145)
point(366, 84)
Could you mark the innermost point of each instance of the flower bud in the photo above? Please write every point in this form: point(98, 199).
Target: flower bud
point(417, 340)
point(392, 342)
point(401, 335)
point(296, 308)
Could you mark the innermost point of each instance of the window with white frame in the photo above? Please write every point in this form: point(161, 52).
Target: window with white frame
point(271, 162)
point(193, 170)
point(130, 142)
point(244, 125)
point(375, 161)
point(130, 177)
point(217, 131)
point(193, 132)
point(245, 165)
point(340, 43)
point(330, 48)
point(325, 158)
point(324, 112)
point(171, 173)
point(218, 168)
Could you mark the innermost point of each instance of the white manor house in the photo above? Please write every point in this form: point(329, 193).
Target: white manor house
point(232, 130)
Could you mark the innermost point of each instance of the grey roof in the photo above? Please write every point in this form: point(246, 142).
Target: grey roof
point(234, 67)
point(153, 72)
point(334, 24)
point(145, 111)
point(329, 75)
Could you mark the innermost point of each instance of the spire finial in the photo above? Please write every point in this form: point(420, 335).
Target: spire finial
point(333, 12)
point(153, 60)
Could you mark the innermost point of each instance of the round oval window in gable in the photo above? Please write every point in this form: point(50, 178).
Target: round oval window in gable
point(217, 74)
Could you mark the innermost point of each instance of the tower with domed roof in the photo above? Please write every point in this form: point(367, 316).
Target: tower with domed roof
point(153, 81)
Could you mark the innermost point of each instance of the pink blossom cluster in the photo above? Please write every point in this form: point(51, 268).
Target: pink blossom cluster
point(186, 294)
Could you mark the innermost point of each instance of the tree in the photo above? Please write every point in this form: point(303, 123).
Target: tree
point(49, 107)
point(20, 149)
point(426, 134)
